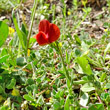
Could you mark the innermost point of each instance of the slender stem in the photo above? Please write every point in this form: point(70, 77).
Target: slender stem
point(66, 71)
point(68, 78)
point(33, 16)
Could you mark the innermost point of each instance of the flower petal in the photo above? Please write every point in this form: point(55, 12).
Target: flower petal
point(41, 38)
point(54, 33)
point(44, 26)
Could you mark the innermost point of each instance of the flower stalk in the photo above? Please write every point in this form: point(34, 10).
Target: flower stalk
point(64, 66)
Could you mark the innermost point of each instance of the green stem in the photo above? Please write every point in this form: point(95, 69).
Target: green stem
point(66, 71)
point(33, 16)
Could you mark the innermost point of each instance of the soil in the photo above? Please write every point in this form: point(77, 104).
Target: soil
point(94, 27)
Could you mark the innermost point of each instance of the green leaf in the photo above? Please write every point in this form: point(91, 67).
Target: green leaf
point(104, 96)
point(107, 48)
point(62, 101)
point(87, 87)
point(1, 89)
point(4, 107)
point(40, 100)
point(30, 81)
point(103, 76)
point(56, 105)
point(77, 52)
point(66, 106)
point(21, 61)
point(0, 77)
point(68, 83)
point(83, 62)
point(4, 58)
point(3, 32)
point(83, 108)
point(93, 62)
point(96, 107)
point(4, 52)
point(84, 99)
point(45, 108)
point(28, 97)
point(108, 108)
point(31, 42)
point(21, 35)
point(67, 57)
point(108, 85)
point(77, 39)
point(84, 46)
point(15, 92)
point(12, 84)
point(23, 28)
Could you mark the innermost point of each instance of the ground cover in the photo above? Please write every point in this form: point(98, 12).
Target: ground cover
point(71, 71)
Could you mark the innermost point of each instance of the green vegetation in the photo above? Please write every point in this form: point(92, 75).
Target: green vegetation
point(72, 73)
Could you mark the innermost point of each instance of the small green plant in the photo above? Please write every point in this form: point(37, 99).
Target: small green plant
point(66, 69)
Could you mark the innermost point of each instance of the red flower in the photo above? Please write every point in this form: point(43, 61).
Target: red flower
point(48, 33)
